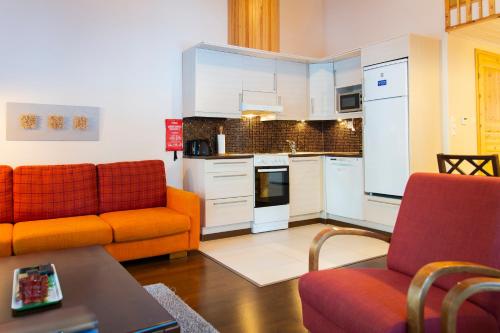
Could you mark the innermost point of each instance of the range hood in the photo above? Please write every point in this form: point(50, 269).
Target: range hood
point(263, 104)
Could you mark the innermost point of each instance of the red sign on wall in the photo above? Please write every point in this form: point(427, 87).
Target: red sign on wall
point(174, 134)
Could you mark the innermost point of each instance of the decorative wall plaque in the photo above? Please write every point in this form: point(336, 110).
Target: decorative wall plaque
point(45, 122)
point(56, 122)
point(28, 121)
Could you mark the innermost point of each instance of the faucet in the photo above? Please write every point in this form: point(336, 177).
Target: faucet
point(293, 146)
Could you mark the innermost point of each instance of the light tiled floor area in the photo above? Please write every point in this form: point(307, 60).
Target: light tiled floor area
point(277, 256)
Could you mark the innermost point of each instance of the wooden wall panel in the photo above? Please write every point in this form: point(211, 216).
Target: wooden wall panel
point(254, 23)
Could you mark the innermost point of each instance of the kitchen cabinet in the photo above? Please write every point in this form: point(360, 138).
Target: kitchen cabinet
point(348, 72)
point(321, 91)
point(226, 189)
point(292, 90)
point(259, 74)
point(212, 83)
point(306, 185)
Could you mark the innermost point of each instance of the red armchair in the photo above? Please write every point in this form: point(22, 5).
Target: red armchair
point(448, 230)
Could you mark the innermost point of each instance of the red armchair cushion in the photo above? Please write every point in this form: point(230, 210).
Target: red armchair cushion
point(54, 191)
point(131, 185)
point(448, 217)
point(5, 194)
point(374, 300)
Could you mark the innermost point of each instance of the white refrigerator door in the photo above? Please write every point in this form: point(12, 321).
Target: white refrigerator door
point(386, 147)
point(386, 80)
point(344, 187)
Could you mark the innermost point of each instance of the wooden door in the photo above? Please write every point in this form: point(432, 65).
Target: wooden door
point(488, 102)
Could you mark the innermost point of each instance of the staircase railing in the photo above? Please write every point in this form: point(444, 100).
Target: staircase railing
point(463, 12)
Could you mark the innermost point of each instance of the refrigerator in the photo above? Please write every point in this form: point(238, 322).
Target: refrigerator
point(386, 128)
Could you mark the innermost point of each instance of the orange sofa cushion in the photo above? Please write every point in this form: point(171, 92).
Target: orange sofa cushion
point(5, 194)
point(131, 185)
point(54, 191)
point(148, 247)
point(140, 224)
point(5, 239)
point(63, 233)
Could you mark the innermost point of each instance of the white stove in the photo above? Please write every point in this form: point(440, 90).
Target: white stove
point(272, 194)
point(270, 159)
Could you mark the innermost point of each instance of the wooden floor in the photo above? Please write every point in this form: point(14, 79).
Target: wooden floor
point(223, 298)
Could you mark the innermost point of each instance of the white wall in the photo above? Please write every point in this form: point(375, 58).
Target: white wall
point(301, 27)
point(355, 23)
point(121, 55)
point(462, 92)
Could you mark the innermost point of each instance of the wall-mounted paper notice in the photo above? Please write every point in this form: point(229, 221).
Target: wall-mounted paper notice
point(45, 122)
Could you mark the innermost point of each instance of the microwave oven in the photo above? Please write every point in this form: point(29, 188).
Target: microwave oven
point(349, 101)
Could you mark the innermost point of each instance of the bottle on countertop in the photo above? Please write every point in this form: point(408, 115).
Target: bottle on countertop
point(221, 141)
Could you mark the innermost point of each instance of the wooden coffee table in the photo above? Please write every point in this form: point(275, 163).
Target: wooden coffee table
point(92, 278)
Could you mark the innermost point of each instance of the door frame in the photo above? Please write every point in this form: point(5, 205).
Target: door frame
point(477, 55)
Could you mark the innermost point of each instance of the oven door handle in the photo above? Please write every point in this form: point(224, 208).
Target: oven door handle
point(271, 170)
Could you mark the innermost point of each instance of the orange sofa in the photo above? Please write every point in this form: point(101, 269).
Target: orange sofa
point(125, 207)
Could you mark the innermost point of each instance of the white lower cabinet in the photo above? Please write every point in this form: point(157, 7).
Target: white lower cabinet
point(381, 211)
point(226, 188)
point(306, 185)
point(221, 212)
point(228, 184)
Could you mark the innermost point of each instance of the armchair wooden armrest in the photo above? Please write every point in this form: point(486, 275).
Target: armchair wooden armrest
point(324, 234)
point(459, 294)
point(424, 279)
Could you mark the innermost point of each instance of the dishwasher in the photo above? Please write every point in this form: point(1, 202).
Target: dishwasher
point(345, 187)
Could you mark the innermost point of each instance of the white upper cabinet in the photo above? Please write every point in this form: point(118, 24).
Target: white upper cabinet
point(259, 74)
point(321, 91)
point(212, 84)
point(292, 90)
point(348, 72)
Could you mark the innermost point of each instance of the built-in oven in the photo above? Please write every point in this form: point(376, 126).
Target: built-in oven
point(271, 186)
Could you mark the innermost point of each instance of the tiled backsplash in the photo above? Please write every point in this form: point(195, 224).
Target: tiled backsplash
point(255, 136)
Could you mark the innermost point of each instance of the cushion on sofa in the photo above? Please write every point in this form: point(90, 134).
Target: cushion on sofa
point(5, 239)
point(148, 247)
point(5, 194)
point(374, 300)
point(54, 191)
point(131, 185)
point(62, 233)
point(140, 224)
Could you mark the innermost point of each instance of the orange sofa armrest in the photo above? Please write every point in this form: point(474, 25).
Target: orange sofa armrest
point(187, 203)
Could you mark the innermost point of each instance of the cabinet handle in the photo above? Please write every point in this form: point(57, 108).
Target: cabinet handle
point(312, 105)
point(303, 160)
point(231, 163)
point(275, 82)
point(241, 98)
point(230, 176)
point(229, 202)
point(384, 202)
point(279, 100)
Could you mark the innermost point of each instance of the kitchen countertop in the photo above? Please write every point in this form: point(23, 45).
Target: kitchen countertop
point(219, 157)
point(298, 154)
point(327, 153)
